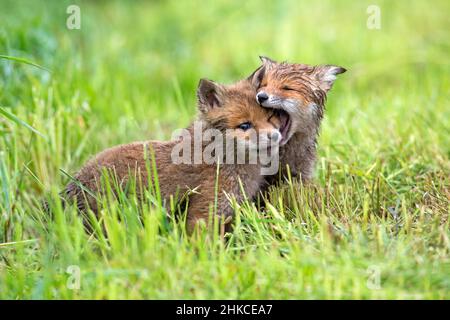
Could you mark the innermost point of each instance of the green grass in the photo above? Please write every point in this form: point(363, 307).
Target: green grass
point(380, 201)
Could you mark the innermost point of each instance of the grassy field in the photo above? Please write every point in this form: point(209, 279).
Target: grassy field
point(375, 223)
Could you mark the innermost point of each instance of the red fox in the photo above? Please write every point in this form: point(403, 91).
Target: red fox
point(232, 112)
point(300, 90)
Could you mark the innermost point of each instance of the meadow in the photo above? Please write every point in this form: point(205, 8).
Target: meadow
point(373, 225)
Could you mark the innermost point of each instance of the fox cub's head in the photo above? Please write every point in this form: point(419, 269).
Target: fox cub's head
point(298, 89)
point(232, 109)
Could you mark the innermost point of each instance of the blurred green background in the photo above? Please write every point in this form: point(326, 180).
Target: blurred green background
point(130, 73)
point(133, 67)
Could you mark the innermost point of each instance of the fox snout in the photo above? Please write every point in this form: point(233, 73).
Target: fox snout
point(261, 97)
point(269, 100)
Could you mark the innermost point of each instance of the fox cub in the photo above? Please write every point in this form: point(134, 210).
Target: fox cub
point(232, 112)
point(300, 90)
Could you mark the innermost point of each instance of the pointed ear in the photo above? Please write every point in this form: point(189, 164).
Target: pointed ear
point(209, 95)
point(326, 75)
point(267, 61)
point(256, 77)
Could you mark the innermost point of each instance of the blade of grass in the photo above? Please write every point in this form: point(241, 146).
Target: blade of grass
point(79, 184)
point(4, 184)
point(25, 61)
point(5, 244)
point(18, 121)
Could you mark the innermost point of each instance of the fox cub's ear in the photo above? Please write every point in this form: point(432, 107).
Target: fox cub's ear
point(326, 74)
point(267, 61)
point(209, 95)
point(256, 77)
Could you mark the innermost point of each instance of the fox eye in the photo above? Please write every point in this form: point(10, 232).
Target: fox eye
point(287, 88)
point(245, 126)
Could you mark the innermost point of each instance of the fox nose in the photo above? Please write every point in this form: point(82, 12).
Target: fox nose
point(261, 97)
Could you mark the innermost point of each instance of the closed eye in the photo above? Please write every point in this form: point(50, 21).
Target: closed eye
point(288, 88)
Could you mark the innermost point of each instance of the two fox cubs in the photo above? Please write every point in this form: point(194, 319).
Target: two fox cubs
point(241, 129)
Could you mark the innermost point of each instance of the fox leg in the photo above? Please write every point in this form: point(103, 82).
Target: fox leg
point(199, 210)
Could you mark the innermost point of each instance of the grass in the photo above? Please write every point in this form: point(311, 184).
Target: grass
point(373, 226)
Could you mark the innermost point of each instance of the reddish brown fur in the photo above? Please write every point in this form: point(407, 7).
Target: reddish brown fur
point(221, 107)
point(307, 86)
